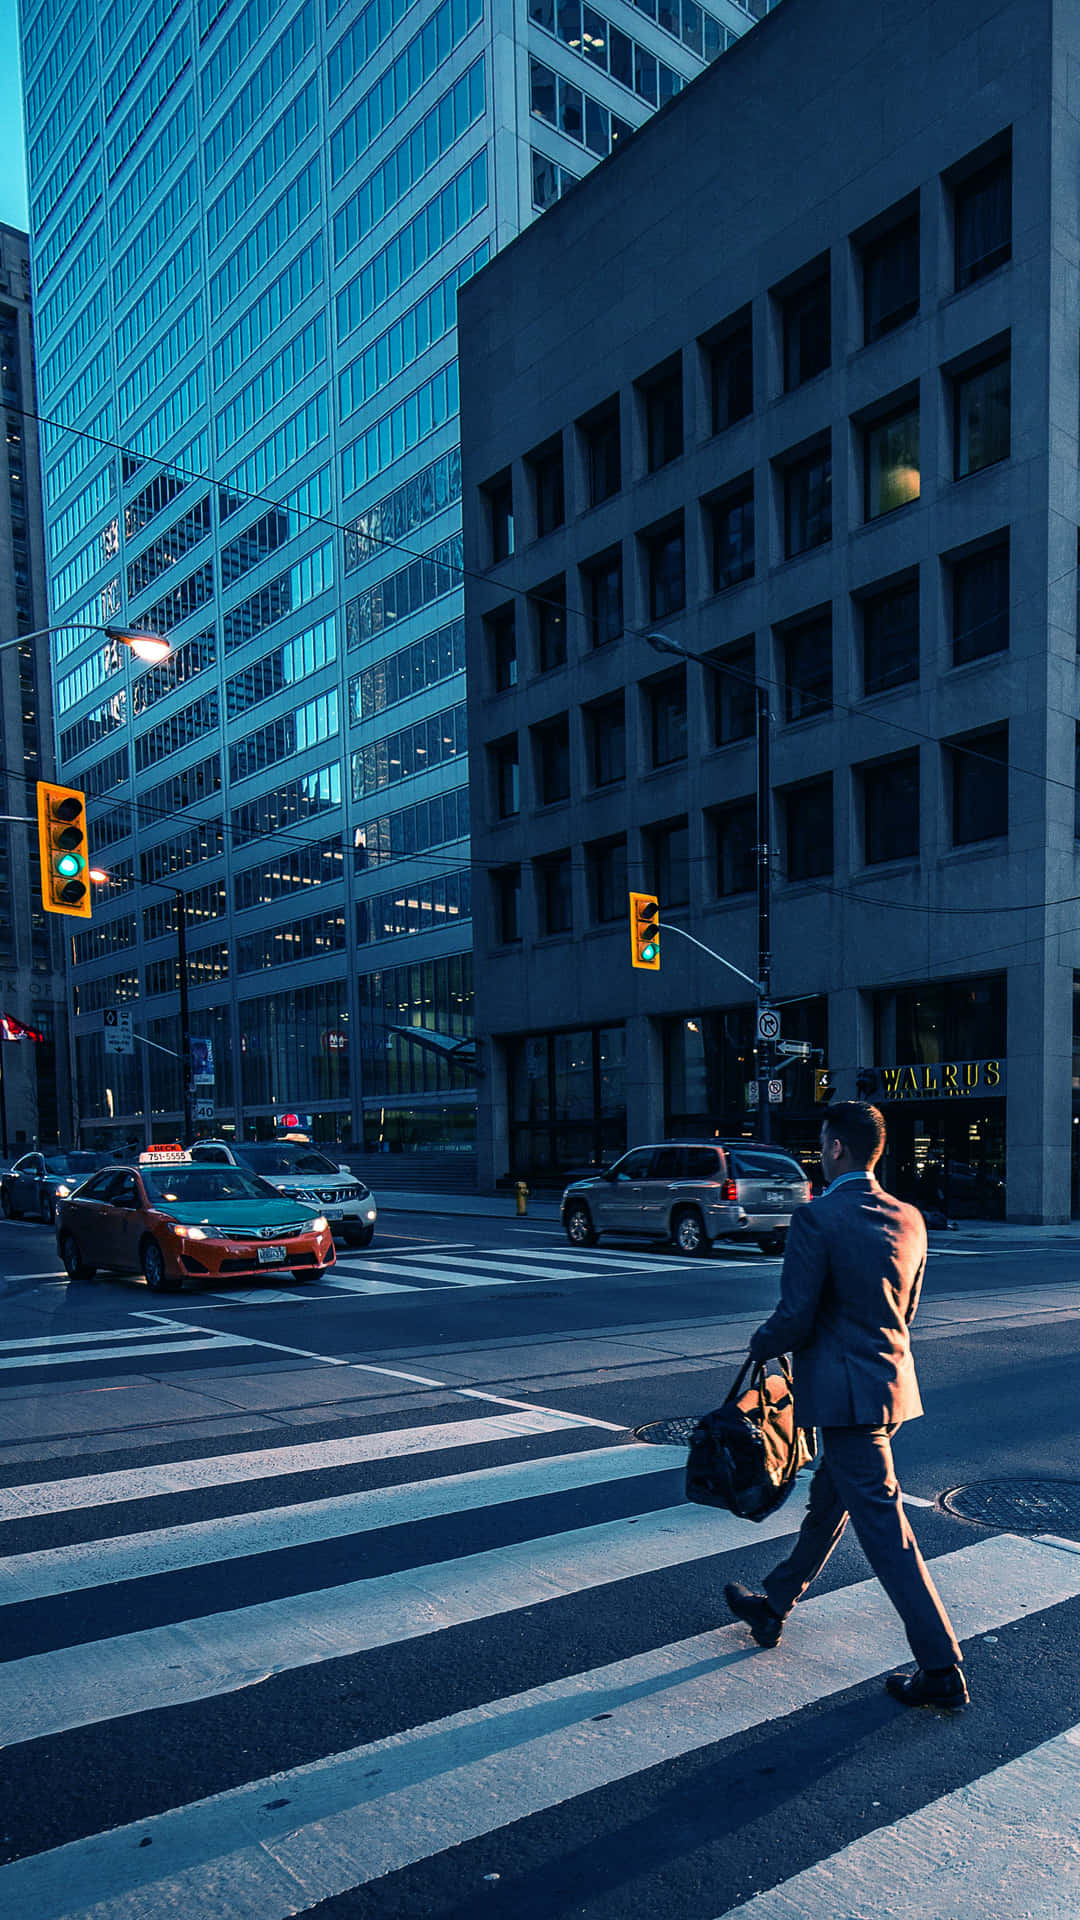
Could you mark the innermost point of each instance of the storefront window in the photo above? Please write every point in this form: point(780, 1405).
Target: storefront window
point(567, 1100)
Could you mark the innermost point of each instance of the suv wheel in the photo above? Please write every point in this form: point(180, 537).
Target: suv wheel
point(579, 1228)
point(772, 1243)
point(7, 1205)
point(688, 1231)
point(48, 1209)
point(359, 1236)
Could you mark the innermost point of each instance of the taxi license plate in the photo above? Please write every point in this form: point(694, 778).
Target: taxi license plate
point(269, 1256)
point(775, 1199)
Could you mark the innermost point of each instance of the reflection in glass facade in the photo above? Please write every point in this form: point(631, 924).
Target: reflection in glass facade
point(249, 225)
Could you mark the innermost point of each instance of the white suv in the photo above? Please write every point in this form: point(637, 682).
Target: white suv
point(303, 1173)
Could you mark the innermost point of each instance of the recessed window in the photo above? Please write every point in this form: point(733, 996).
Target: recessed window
point(607, 741)
point(549, 495)
point(982, 219)
point(549, 614)
point(892, 462)
point(980, 786)
point(890, 276)
point(731, 377)
point(551, 745)
point(734, 708)
point(807, 655)
point(735, 840)
point(980, 603)
point(890, 637)
point(669, 863)
point(605, 864)
point(809, 829)
point(603, 455)
point(506, 890)
point(666, 700)
point(891, 810)
point(602, 579)
point(505, 777)
point(806, 329)
point(732, 521)
point(981, 417)
point(808, 502)
point(555, 891)
point(502, 642)
point(666, 560)
point(499, 504)
point(662, 399)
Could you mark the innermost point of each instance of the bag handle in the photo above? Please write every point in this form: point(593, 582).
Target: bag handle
point(761, 1368)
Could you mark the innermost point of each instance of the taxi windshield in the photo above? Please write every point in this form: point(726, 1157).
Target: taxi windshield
point(286, 1159)
point(204, 1186)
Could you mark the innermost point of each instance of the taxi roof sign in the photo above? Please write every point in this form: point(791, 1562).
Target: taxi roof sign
point(164, 1156)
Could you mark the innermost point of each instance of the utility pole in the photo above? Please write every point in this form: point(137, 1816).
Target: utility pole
point(185, 1016)
point(764, 906)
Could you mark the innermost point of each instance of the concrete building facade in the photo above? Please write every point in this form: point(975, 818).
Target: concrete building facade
point(35, 1090)
point(250, 220)
point(803, 360)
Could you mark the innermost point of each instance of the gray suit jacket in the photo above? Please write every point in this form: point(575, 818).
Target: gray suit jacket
point(853, 1271)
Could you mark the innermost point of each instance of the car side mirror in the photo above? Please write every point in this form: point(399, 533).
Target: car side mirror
point(342, 1168)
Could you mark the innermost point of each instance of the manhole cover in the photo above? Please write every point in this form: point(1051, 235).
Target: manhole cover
point(668, 1433)
point(1018, 1506)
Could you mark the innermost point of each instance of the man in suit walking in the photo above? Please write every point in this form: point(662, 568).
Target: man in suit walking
point(853, 1270)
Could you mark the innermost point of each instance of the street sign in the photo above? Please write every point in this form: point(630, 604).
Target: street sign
point(768, 1024)
point(776, 1093)
point(752, 1093)
point(119, 1030)
point(204, 1109)
point(794, 1049)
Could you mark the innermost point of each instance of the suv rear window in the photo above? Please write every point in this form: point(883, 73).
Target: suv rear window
point(702, 1163)
point(764, 1166)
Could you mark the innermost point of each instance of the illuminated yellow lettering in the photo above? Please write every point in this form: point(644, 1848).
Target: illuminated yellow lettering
point(929, 1080)
point(911, 1084)
point(952, 1085)
point(971, 1073)
point(891, 1077)
point(993, 1073)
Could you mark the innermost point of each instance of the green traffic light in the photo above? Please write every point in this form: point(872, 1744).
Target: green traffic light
point(69, 865)
point(649, 952)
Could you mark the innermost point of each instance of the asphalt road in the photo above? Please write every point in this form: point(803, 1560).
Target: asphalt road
point(364, 1600)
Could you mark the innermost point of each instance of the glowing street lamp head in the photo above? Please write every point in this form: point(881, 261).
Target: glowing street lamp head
point(151, 647)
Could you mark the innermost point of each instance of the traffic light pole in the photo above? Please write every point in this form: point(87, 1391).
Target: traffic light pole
point(185, 1016)
point(764, 908)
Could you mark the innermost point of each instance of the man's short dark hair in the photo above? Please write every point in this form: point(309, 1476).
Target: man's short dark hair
point(860, 1128)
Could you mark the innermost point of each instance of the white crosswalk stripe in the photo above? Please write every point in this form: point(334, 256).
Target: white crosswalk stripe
point(433, 1537)
point(133, 1345)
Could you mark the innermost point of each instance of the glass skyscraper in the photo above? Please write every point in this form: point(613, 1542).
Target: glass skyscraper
point(249, 222)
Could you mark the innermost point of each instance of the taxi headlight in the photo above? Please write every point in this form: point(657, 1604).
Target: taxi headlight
point(62, 1192)
point(320, 1223)
point(192, 1233)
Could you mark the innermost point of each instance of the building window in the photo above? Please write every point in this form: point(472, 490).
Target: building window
point(890, 795)
point(807, 656)
point(806, 331)
point(980, 787)
point(666, 560)
point(608, 894)
point(981, 417)
point(607, 741)
point(502, 642)
point(506, 885)
point(505, 777)
point(892, 462)
point(733, 537)
point(890, 637)
point(555, 894)
point(667, 719)
point(980, 604)
point(669, 863)
point(603, 454)
point(808, 502)
point(499, 507)
point(734, 713)
point(731, 377)
point(890, 277)
point(552, 750)
point(809, 829)
point(602, 581)
point(735, 841)
point(549, 493)
point(549, 614)
point(982, 216)
point(662, 397)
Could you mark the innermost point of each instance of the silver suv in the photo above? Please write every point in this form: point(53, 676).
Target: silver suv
point(303, 1173)
point(691, 1192)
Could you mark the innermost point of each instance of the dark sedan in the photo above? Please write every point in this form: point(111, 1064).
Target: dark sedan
point(37, 1181)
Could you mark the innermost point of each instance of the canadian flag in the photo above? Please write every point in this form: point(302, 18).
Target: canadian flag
point(12, 1029)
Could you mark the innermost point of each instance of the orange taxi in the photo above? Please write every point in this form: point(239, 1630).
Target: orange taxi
point(179, 1223)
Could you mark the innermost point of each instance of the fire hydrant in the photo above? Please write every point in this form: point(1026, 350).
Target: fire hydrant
point(522, 1196)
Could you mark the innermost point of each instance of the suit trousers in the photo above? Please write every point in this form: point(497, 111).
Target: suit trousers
point(856, 1478)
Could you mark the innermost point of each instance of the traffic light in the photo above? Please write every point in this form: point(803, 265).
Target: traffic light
point(824, 1085)
point(645, 931)
point(64, 850)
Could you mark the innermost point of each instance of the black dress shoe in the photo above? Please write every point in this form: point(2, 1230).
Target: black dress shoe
point(765, 1625)
point(946, 1688)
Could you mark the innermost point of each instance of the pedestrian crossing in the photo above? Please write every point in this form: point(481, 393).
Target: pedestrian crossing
point(133, 1345)
point(430, 1661)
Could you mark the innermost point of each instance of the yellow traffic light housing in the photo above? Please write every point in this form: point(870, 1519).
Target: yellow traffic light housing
point(645, 931)
point(64, 850)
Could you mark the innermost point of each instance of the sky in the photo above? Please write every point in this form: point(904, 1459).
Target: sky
point(13, 211)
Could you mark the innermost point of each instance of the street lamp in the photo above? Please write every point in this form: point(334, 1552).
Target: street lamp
point(151, 647)
point(662, 643)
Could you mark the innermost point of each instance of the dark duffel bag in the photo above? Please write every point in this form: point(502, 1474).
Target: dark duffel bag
point(745, 1456)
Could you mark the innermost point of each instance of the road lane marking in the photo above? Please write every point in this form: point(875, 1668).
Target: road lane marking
point(100, 1333)
point(137, 1354)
